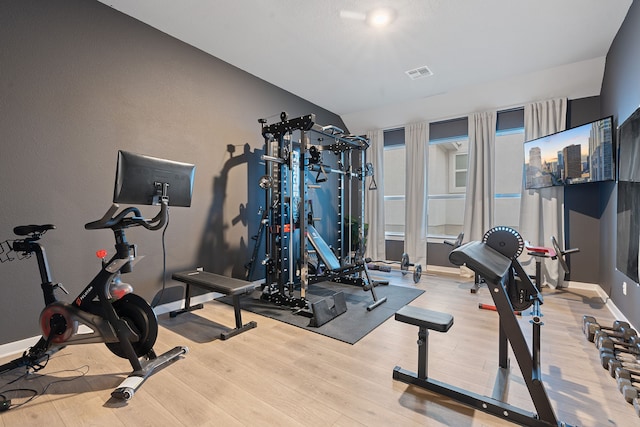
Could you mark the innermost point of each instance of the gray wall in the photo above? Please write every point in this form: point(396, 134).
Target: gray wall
point(620, 96)
point(582, 211)
point(78, 81)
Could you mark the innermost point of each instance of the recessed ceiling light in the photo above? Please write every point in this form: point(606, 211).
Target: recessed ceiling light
point(381, 17)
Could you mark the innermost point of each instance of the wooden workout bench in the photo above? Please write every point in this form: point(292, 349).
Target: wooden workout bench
point(215, 283)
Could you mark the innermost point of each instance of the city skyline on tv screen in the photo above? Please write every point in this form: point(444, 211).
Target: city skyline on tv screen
point(577, 155)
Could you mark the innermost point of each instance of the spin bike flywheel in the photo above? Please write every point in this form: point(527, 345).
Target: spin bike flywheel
point(57, 323)
point(505, 240)
point(140, 317)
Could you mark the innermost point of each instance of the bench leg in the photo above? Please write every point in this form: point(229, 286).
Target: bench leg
point(423, 353)
point(239, 326)
point(187, 303)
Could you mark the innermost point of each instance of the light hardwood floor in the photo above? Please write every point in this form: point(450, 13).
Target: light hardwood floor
point(280, 375)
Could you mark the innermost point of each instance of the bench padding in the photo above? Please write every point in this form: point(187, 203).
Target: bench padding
point(482, 259)
point(434, 320)
point(215, 282)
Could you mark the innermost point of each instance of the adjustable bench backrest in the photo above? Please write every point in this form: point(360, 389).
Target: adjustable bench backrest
point(322, 249)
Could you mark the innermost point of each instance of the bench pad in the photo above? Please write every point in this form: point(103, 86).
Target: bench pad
point(482, 259)
point(434, 320)
point(215, 282)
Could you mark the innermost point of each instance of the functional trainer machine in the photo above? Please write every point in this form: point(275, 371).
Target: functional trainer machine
point(302, 157)
point(511, 290)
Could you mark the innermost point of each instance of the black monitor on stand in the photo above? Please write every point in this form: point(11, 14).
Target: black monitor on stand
point(146, 180)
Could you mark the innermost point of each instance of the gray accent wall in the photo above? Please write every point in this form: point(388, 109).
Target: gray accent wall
point(620, 96)
point(78, 82)
point(582, 212)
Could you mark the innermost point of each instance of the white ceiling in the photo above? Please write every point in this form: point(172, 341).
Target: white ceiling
point(306, 48)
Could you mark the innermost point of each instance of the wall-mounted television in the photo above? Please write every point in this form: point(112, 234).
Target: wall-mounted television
point(574, 156)
point(141, 180)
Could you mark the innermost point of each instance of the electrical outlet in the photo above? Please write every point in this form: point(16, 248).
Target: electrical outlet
point(624, 288)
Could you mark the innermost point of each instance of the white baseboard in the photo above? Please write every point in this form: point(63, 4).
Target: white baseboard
point(18, 347)
point(585, 286)
point(438, 269)
point(177, 305)
point(617, 314)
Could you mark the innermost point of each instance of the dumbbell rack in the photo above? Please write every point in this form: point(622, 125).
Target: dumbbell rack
point(619, 347)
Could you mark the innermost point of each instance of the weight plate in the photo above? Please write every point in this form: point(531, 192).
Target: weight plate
point(417, 273)
point(404, 263)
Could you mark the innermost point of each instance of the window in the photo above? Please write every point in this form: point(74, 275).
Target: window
point(447, 176)
point(448, 163)
point(509, 167)
point(508, 176)
point(447, 181)
point(458, 182)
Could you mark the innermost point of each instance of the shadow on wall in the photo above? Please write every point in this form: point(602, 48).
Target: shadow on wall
point(219, 251)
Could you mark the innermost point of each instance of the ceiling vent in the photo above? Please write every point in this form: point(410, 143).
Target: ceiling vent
point(419, 72)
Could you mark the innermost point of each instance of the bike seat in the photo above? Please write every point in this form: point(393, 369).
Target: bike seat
point(25, 230)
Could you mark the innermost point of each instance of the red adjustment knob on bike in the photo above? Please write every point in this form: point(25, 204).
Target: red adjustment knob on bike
point(101, 253)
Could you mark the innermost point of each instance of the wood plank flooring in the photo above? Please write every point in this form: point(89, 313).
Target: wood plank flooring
point(280, 375)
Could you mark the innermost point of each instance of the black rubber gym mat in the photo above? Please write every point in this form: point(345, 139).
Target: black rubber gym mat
point(350, 326)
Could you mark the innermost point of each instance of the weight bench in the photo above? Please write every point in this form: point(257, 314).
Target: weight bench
point(337, 272)
point(216, 283)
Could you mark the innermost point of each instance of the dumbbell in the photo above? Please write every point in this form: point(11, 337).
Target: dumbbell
point(586, 319)
point(630, 366)
point(626, 373)
point(626, 384)
point(590, 326)
point(623, 355)
point(605, 342)
point(636, 405)
point(624, 334)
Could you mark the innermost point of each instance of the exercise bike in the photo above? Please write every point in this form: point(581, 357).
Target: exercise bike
point(117, 317)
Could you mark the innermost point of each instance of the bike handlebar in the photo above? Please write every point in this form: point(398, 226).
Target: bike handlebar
point(123, 220)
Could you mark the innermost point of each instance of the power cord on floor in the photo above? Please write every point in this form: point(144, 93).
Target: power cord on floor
point(6, 403)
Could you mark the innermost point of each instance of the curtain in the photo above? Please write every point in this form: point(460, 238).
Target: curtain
point(416, 141)
point(542, 210)
point(374, 199)
point(479, 203)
